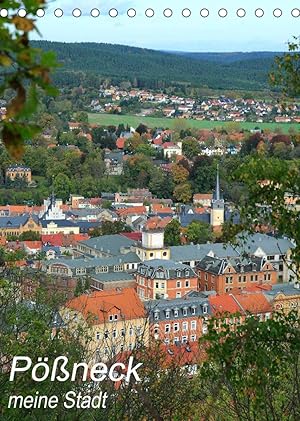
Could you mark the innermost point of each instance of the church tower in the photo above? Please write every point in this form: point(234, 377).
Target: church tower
point(152, 246)
point(217, 206)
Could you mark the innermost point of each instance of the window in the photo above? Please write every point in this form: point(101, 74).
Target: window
point(162, 285)
point(178, 294)
point(167, 314)
point(178, 274)
point(131, 331)
point(193, 338)
point(176, 327)
point(80, 271)
point(167, 328)
point(116, 317)
point(178, 284)
point(156, 330)
point(193, 324)
point(118, 268)
point(106, 333)
point(204, 309)
point(156, 315)
point(156, 285)
point(151, 254)
point(193, 310)
point(184, 312)
point(114, 333)
point(122, 332)
point(101, 269)
point(228, 280)
point(164, 253)
point(111, 317)
point(130, 347)
point(98, 336)
point(167, 341)
point(185, 326)
point(176, 340)
point(187, 283)
point(184, 339)
point(204, 329)
point(176, 313)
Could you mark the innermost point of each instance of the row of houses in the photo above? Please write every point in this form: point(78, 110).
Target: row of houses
point(117, 321)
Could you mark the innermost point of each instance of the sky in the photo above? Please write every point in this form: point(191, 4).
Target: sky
point(177, 32)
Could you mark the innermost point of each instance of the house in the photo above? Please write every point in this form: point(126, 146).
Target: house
point(204, 199)
point(114, 162)
point(284, 297)
point(114, 321)
point(18, 172)
point(235, 308)
point(16, 225)
point(105, 246)
point(182, 320)
point(234, 274)
point(160, 278)
point(171, 149)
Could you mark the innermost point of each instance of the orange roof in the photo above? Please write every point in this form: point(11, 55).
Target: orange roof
point(157, 223)
point(253, 303)
point(224, 304)
point(159, 208)
point(133, 210)
point(33, 244)
point(99, 305)
point(203, 196)
point(200, 210)
point(120, 143)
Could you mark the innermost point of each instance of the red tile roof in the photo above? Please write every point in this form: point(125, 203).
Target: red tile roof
point(120, 143)
point(157, 223)
point(135, 236)
point(98, 305)
point(224, 304)
point(133, 210)
point(33, 245)
point(253, 303)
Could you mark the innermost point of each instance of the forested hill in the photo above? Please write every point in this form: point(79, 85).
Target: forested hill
point(87, 62)
point(231, 57)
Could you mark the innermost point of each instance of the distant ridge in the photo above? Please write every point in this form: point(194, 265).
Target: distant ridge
point(159, 69)
point(228, 57)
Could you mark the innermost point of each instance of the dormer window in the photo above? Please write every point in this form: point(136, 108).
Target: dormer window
point(184, 312)
point(156, 315)
point(175, 313)
point(193, 309)
point(204, 309)
point(167, 314)
point(178, 274)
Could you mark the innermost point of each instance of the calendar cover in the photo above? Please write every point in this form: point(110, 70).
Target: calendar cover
point(149, 210)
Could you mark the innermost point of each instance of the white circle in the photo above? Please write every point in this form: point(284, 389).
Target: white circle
point(204, 13)
point(295, 13)
point(22, 13)
point(76, 13)
point(58, 13)
point(131, 13)
point(277, 13)
point(241, 13)
point(149, 13)
point(222, 13)
point(3, 13)
point(113, 13)
point(168, 13)
point(186, 13)
point(40, 13)
point(95, 13)
point(259, 13)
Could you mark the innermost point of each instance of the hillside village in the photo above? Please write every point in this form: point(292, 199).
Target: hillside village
point(116, 100)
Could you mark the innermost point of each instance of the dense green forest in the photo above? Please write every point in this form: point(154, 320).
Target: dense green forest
point(86, 63)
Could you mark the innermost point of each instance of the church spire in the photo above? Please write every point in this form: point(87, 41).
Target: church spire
point(217, 191)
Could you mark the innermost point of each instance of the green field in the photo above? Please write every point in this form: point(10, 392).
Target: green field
point(134, 121)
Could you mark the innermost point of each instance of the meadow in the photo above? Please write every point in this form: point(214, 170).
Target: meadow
point(134, 121)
